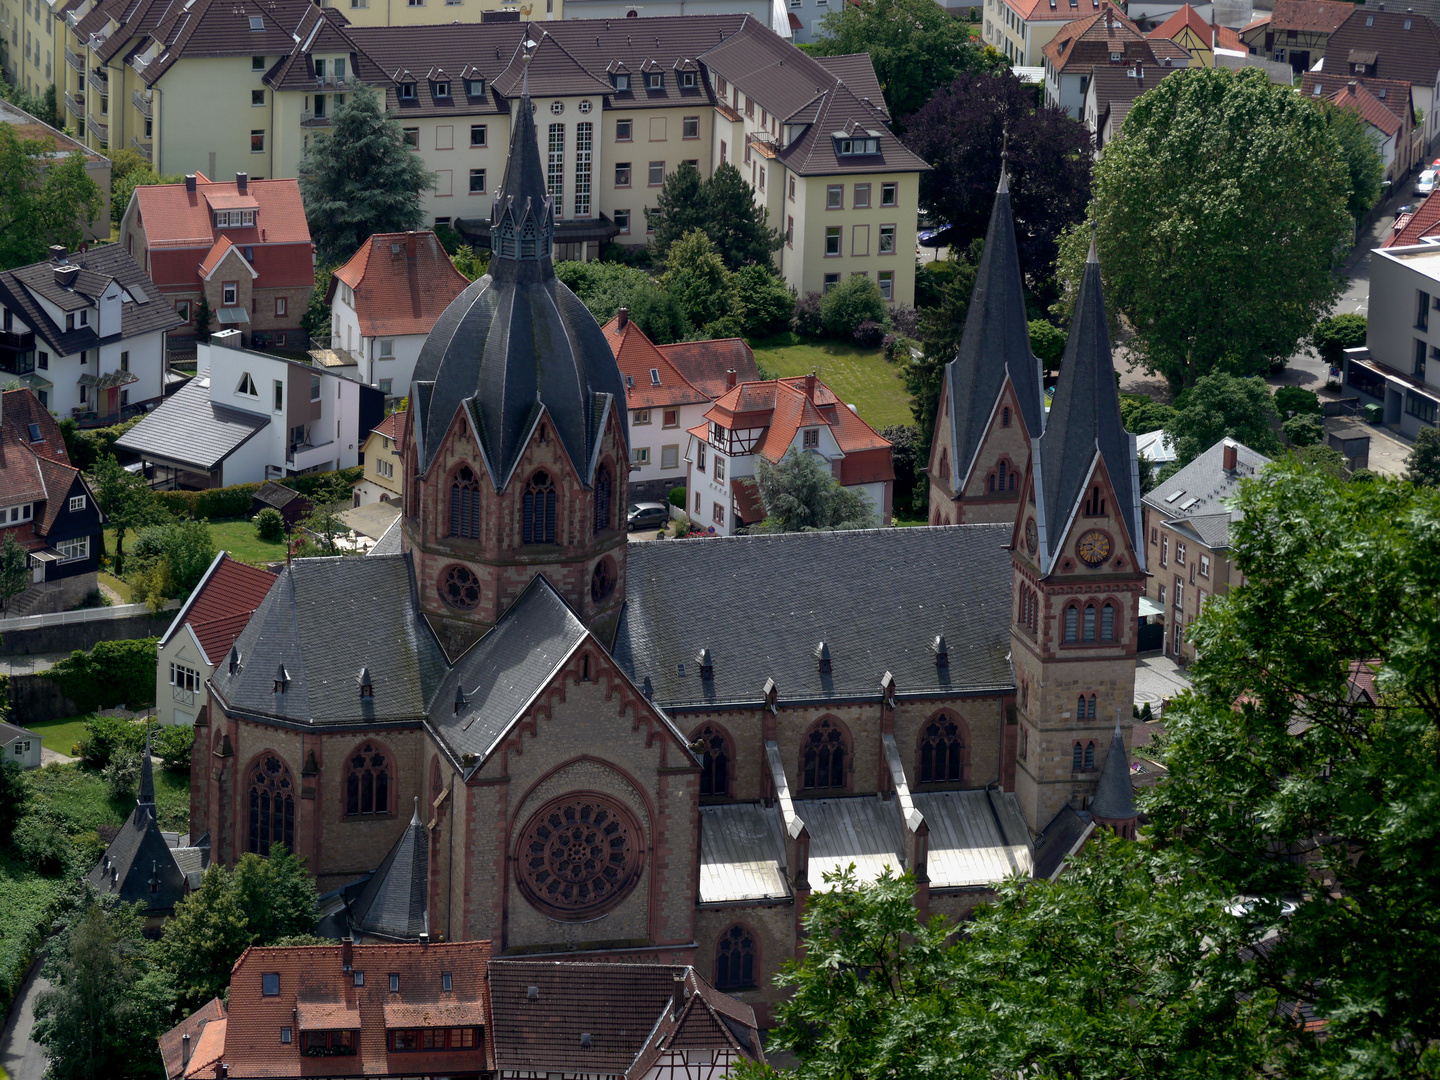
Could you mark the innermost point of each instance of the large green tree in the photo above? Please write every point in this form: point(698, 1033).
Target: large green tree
point(1422, 465)
point(915, 46)
point(696, 279)
point(43, 200)
point(1222, 406)
point(801, 495)
point(1219, 218)
point(941, 325)
point(14, 569)
point(361, 178)
point(1363, 167)
point(127, 501)
point(722, 206)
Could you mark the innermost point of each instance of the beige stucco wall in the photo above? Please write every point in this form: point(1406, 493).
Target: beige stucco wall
point(427, 12)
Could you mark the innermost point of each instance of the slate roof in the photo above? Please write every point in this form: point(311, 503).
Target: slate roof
point(220, 606)
point(10, 732)
point(1085, 420)
point(190, 429)
point(392, 903)
point(705, 363)
point(953, 580)
point(1114, 792)
point(399, 292)
point(517, 340)
point(142, 310)
point(839, 111)
point(624, 1008)
point(1066, 832)
point(1412, 54)
point(138, 865)
point(276, 495)
point(389, 541)
point(1196, 495)
point(323, 620)
point(562, 74)
point(995, 343)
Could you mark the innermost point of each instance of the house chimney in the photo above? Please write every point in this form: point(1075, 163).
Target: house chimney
point(184, 1050)
point(622, 318)
point(229, 339)
point(810, 386)
point(410, 245)
point(677, 999)
point(65, 275)
point(1230, 457)
point(731, 378)
point(190, 182)
point(347, 953)
point(57, 252)
point(242, 182)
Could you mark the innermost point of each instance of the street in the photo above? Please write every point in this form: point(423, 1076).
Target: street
point(21, 1058)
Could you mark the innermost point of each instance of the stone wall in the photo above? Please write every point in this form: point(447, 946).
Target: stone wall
point(69, 637)
point(35, 699)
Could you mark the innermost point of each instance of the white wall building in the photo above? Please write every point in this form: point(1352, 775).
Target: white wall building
point(1399, 367)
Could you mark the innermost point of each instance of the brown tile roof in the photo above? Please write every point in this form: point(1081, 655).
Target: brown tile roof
point(1184, 18)
point(551, 66)
point(60, 479)
point(638, 357)
point(1309, 16)
point(1089, 42)
point(212, 28)
point(172, 1042)
point(1415, 227)
point(1357, 98)
point(393, 426)
point(1393, 93)
point(706, 363)
point(1116, 87)
point(857, 71)
point(219, 609)
point(1412, 54)
point(402, 283)
point(21, 408)
point(841, 112)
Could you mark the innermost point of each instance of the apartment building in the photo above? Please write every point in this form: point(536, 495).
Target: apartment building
point(1022, 28)
point(1398, 369)
point(1397, 45)
point(1106, 38)
point(28, 44)
point(429, 12)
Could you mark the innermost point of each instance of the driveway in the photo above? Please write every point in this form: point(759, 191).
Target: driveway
point(21, 1058)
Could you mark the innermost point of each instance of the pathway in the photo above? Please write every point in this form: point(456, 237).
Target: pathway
point(22, 1058)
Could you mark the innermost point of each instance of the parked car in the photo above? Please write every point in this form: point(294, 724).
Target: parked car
point(648, 515)
point(1243, 906)
point(1425, 182)
point(931, 237)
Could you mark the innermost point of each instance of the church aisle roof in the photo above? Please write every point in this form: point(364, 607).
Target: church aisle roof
point(876, 597)
point(976, 837)
point(392, 903)
point(322, 621)
point(742, 853)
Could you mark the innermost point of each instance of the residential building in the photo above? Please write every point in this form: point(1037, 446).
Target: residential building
point(248, 417)
point(1399, 45)
point(1107, 37)
point(1295, 32)
point(428, 12)
point(766, 420)
point(201, 634)
point(1418, 226)
point(1020, 29)
point(664, 405)
point(56, 147)
point(1187, 520)
point(384, 479)
point(143, 865)
point(20, 746)
point(1401, 145)
point(388, 1009)
point(46, 504)
point(1197, 36)
point(795, 20)
point(243, 245)
point(713, 366)
point(1112, 89)
point(1398, 369)
point(87, 334)
point(383, 303)
point(727, 769)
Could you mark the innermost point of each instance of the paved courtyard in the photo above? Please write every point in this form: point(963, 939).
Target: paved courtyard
point(1158, 677)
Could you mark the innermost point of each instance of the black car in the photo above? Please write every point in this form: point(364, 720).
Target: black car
point(648, 515)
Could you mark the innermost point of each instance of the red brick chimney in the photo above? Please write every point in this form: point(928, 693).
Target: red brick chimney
point(810, 386)
point(1230, 456)
point(410, 245)
point(622, 318)
point(730, 377)
point(347, 953)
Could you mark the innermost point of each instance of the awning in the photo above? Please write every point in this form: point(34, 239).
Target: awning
point(109, 381)
point(48, 554)
point(1150, 607)
point(36, 382)
point(795, 23)
point(233, 315)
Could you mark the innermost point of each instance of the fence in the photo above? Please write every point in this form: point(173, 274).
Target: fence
point(69, 618)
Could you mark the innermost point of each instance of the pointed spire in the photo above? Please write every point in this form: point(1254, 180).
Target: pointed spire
point(147, 776)
point(522, 222)
point(1115, 792)
point(415, 818)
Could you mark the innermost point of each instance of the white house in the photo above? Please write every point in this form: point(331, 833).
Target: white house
point(383, 303)
point(202, 633)
point(248, 417)
point(767, 419)
point(20, 746)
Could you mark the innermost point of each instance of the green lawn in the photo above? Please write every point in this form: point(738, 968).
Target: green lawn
point(79, 801)
point(235, 535)
point(120, 587)
point(60, 735)
point(861, 377)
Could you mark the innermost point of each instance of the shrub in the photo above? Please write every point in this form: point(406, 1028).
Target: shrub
point(41, 846)
point(1333, 335)
point(122, 775)
point(270, 525)
point(805, 320)
point(1304, 429)
point(225, 502)
point(677, 497)
point(1362, 476)
point(905, 321)
point(105, 736)
point(868, 334)
point(850, 303)
point(1297, 400)
point(173, 742)
point(765, 302)
point(311, 483)
point(112, 673)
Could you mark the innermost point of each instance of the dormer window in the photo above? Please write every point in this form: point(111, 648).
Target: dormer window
point(440, 89)
point(621, 81)
point(407, 91)
point(1114, 58)
point(474, 87)
point(234, 219)
point(687, 80)
point(855, 147)
point(655, 81)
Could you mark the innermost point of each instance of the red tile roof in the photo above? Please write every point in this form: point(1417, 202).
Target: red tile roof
point(1185, 17)
point(172, 1042)
point(1394, 94)
point(222, 604)
point(21, 408)
point(1225, 38)
point(215, 254)
point(705, 363)
point(314, 983)
point(1358, 99)
point(1309, 16)
point(180, 229)
point(1413, 228)
point(393, 426)
point(638, 358)
point(402, 283)
point(1045, 10)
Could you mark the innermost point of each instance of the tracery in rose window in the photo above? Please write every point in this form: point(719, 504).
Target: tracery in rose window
point(579, 856)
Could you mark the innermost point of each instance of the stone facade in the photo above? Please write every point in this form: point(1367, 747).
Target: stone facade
point(991, 492)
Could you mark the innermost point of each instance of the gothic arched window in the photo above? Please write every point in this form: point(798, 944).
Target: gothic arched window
point(942, 751)
point(735, 959)
point(1089, 622)
point(1072, 620)
point(1107, 623)
point(1089, 755)
point(1080, 707)
point(1077, 758)
point(367, 781)
point(945, 463)
point(823, 755)
point(465, 504)
point(272, 806)
point(602, 499)
point(537, 523)
point(1005, 416)
point(717, 757)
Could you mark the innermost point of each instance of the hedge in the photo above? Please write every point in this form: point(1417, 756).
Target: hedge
point(29, 903)
point(113, 673)
point(235, 501)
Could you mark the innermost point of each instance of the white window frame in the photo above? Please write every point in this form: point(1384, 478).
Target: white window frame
point(74, 550)
point(77, 503)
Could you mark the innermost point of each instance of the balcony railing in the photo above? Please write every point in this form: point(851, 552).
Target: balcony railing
point(182, 696)
point(144, 149)
point(99, 79)
point(300, 449)
point(340, 81)
point(11, 339)
point(101, 128)
point(73, 59)
point(147, 108)
point(308, 118)
point(75, 103)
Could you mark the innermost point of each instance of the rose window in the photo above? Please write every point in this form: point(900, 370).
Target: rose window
point(460, 588)
point(579, 856)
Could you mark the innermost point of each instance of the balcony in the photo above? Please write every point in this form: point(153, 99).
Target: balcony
point(13, 340)
point(144, 149)
point(334, 81)
point(100, 128)
point(146, 107)
point(75, 104)
point(306, 455)
point(309, 119)
point(99, 79)
point(73, 60)
point(181, 696)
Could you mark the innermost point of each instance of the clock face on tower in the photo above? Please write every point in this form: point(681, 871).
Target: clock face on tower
point(1032, 536)
point(1093, 547)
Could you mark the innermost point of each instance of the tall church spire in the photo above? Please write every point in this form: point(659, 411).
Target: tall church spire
point(147, 779)
point(1084, 422)
point(522, 221)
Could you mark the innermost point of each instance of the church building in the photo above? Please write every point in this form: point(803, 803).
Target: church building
point(509, 724)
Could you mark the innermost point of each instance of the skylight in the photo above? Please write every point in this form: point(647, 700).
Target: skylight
point(257, 23)
point(1175, 495)
point(1189, 503)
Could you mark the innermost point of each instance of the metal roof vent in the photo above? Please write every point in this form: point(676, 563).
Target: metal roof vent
point(367, 687)
point(282, 679)
point(648, 689)
point(942, 651)
point(822, 653)
point(459, 698)
point(533, 993)
point(707, 665)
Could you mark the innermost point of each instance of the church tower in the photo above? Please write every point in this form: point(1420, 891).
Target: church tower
point(1078, 559)
point(991, 404)
point(516, 459)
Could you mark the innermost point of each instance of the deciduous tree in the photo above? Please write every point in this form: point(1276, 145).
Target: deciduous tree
point(696, 279)
point(361, 178)
point(1219, 218)
point(1365, 170)
point(1422, 466)
point(14, 569)
point(127, 501)
point(1222, 406)
point(43, 200)
point(1336, 333)
point(801, 496)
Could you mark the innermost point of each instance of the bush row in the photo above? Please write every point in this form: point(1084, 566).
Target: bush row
point(236, 500)
point(112, 673)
